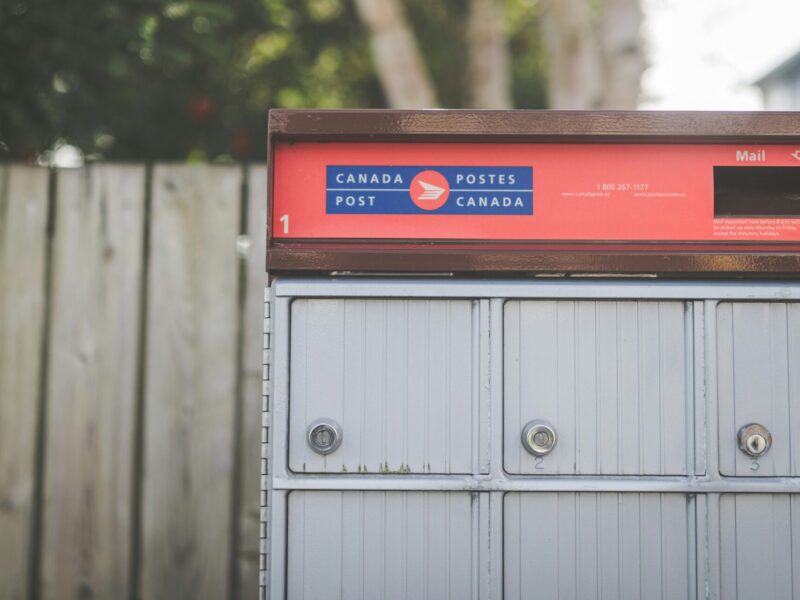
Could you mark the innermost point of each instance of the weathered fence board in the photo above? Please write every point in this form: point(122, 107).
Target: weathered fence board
point(190, 382)
point(91, 395)
point(23, 241)
point(252, 364)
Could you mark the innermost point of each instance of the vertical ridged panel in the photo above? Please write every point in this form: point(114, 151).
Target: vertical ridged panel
point(758, 381)
point(759, 549)
point(610, 376)
point(365, 545)
point(584, 545)
point(397, 375)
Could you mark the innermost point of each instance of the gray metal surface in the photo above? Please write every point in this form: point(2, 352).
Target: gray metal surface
point(758, 346)
point(567, 545)
point(760, 546)
point(399, 376)
point(612, 377)
point(365, 545)
point(649, 501)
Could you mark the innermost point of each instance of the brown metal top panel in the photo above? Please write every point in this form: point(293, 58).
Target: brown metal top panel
point(539, 125)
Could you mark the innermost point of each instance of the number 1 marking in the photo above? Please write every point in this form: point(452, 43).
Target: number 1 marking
point(285, 220)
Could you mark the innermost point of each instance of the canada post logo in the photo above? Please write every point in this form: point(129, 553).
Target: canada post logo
point(429, 190)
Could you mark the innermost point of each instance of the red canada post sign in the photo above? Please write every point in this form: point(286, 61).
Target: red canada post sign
point(531, 192)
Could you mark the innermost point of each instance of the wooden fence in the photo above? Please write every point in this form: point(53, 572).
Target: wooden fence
point(131, 347)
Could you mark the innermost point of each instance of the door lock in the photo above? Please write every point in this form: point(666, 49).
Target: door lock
point(754, 440)
point(539, 437)
point(324, 436)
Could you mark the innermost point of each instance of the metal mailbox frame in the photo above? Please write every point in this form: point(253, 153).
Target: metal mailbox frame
point(705, 485)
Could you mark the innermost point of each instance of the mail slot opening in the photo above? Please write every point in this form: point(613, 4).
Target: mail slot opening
point(767, 192)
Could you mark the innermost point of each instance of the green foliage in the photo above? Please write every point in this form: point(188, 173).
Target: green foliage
point(192, 79)
point(441, 29)
point(158, 79)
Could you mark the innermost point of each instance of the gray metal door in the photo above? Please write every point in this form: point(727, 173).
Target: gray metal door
point(399, 377)
point(759, 546)
point(758, 381)
point(346, 545)
point(613, 378)
point(569, 545)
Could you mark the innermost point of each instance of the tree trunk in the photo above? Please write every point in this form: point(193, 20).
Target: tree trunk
point(623, 56)
point(397, 60)
point(573, 62)
point(489, 76)
point(595, 55)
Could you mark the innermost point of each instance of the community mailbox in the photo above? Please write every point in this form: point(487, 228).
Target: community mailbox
point(533, 354)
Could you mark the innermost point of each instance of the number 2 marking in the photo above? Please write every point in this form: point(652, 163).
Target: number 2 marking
point(285, 220)
point(539, 463)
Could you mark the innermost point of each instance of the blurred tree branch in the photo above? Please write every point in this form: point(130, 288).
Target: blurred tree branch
point(623, 53)
point(594, 52)
point(489, 73)
point(573, 65)
point(397, 60)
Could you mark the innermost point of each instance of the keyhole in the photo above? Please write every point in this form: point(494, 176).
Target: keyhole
point(541, 439)
point(323, 438)
point(756, 444)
